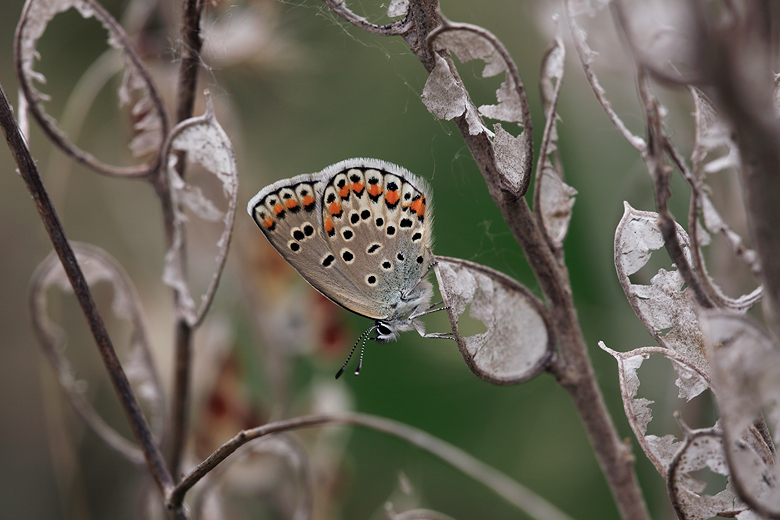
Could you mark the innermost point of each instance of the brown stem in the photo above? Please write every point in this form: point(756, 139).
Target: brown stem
point(192, 43)
point(32, 179)
point(501, 484)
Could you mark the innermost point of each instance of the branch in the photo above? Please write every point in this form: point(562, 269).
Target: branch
point(397, 28)
point(188, 79)
point(514, 493)
point(32, 179)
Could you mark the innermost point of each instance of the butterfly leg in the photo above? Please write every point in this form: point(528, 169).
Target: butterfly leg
point(436, 307)
point(440, 335)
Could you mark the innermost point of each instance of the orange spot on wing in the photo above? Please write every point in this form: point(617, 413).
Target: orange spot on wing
point(357, 187)
point(392, 197)
point(268, 222)
point(278, 209)
point(328, 225)
point(291, 203)
point(418, 206)
point(334, 208)
point(308, 200)
point(375, 190)
point(343, 192)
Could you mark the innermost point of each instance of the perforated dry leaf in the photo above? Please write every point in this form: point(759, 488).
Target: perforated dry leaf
point(137, 87)
point(138, 365)
point(517, 344)
point(659, 450)
point(445, 97)
point(746, 368)
point(205, 142)
point(511, 159)
point(702, 449)
point(665, 306)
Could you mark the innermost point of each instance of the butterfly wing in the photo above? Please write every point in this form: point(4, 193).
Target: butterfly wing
point(359, 231)
point(378, 222)
point(287, 212)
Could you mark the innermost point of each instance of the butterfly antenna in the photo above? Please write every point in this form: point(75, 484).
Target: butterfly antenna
point(364, 337)
point(362, 349)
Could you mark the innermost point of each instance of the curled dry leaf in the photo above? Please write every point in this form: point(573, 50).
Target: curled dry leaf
point(203, 141)
point(664, 307)
point(659, 450)
point(556, 200)
point(137, 87)
point(553, 198)
point(518, 343)
point(511, 160)
point(701, 449)
point(713, 135)
point(445, 97)
point(746, 368)
point(98, 266)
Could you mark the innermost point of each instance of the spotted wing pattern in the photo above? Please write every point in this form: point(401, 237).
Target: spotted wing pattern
point(359, 231)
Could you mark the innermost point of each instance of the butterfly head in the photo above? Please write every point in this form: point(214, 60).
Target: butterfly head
point(403, 318)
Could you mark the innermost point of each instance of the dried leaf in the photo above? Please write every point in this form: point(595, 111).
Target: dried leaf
point(511, 154)
point(552, 70)
point(138, 365)
point(517, 344)
point(508, 108)
point(468, 45)
point(746, 368)
point(556, 200)
point(206, 143)
point(445, 97)
point(659, 450)
point(397, 8)
point(664, 307)
point(701, 449)
point(136, 84)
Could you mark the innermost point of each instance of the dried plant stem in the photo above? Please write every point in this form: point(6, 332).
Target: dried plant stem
point(29, 173)
point(190, 60)
point(192, 43)
point(510, 490)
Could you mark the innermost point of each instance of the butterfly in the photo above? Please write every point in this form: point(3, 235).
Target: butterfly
point(360, 232)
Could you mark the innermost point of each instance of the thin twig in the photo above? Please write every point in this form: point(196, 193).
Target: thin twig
point(660, 172)
point(514, 493)
point(586, 56)
point(397, 28)
point(29, 173)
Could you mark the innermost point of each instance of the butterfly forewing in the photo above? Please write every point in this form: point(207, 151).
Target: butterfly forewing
point(359, 231)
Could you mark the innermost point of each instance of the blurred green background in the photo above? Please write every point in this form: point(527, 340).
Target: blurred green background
point(309, 92)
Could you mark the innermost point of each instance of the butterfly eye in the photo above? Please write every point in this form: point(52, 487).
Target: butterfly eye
point(383, 329)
